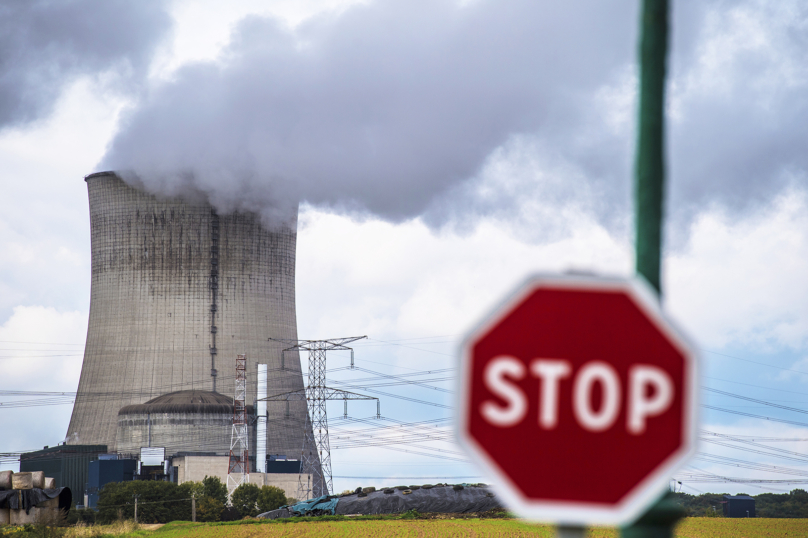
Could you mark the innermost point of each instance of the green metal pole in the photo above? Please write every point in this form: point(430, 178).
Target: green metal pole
point(660, 520)
point(650, 165)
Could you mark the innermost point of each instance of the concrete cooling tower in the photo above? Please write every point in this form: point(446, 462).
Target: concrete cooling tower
point(178, 292)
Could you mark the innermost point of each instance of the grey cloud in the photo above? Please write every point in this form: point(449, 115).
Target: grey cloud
point(45, 44)
point(380, 109)
point(743, 125)
point(398, 107)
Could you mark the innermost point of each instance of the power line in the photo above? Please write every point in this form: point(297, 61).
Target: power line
point(409, 477)
point(755, 362)
point(748, 399)
point(741, 413)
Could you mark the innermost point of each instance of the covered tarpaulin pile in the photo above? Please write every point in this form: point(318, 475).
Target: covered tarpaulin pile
point(441, 498)
point(25, 499)
point(319, 506)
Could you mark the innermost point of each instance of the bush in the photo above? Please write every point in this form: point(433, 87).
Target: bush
point(271, 498)
point(213, 487)
point(245, 499)
point(158, 502)
point(85, 516)
point(209, 509)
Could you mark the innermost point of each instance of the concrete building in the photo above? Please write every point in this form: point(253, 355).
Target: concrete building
point(178, 292)
point(196, 468)
point(176, 421)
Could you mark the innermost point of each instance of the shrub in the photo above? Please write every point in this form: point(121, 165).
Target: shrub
point(245, 499)
point(158, 502)
point(213, 487)
point(271, 498)
point(209, 509)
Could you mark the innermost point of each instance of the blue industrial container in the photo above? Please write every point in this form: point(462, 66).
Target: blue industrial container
point(103, 472)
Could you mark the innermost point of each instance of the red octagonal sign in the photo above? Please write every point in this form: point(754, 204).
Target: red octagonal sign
point(579, 397)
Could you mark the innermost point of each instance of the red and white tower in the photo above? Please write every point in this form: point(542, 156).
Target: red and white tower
point(238, 469)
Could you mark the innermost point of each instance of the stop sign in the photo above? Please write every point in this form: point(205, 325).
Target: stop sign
point(578, 397)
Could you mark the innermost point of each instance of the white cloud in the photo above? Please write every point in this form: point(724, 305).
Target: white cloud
point(776, 436)
point(406, 280)
point(743, 281)
point(41, 349)
point(202, 28)
point(799, 366)
point(44, 225)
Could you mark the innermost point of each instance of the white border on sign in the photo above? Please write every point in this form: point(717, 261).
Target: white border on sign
point(649, 490)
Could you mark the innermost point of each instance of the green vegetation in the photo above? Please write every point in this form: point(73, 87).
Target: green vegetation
point(408, 524)
point(214, 488)
point(158, 502)
point(161, 502)
point(794, 504)
point(271, 498)
point(767, 505)
point(250, 500)
point(245, 499)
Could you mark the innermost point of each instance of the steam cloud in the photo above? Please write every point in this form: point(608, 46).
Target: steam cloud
point(403, 108)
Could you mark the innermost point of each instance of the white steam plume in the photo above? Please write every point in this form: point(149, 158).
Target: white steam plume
point(398, 107)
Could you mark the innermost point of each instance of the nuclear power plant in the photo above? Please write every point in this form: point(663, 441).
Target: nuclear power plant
point(178, 292)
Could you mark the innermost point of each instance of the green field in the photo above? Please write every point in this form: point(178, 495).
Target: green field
point(394, 527)
point(480, 528)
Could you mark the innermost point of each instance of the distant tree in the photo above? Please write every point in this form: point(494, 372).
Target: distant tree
point(213, 487)
point(270, 498)
point(85, 515)
point(209, 509)
point(193, 489)
point(697, 505)
point(158, 502)
point(799, 495)
point(245, 499)
point(794, 504)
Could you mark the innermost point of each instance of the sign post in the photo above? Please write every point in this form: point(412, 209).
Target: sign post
point(578, 396)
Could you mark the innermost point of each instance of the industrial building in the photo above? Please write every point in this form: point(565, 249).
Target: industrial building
point(177, 292)
point(739, 506)
point(68, 465)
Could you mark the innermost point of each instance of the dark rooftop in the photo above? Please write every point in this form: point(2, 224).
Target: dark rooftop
point(183, 401)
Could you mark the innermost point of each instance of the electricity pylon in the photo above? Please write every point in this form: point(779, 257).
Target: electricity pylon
point(315, 458)
point(238, 468)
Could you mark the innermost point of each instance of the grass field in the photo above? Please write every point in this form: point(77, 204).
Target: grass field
point(443, 528)
point(478, 528)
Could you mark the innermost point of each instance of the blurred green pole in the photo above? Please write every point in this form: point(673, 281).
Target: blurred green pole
point(649, 181)
point(660, 520)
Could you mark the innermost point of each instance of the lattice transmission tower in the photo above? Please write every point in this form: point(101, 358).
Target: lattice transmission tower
point(315, 457)
point(238, 469)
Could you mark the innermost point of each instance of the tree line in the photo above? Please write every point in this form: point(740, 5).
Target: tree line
point(792, 504)
point(161, 502)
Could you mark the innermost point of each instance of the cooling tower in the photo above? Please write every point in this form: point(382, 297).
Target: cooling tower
point(177, 293)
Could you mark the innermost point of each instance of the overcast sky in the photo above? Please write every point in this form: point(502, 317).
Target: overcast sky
point(441, 151)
